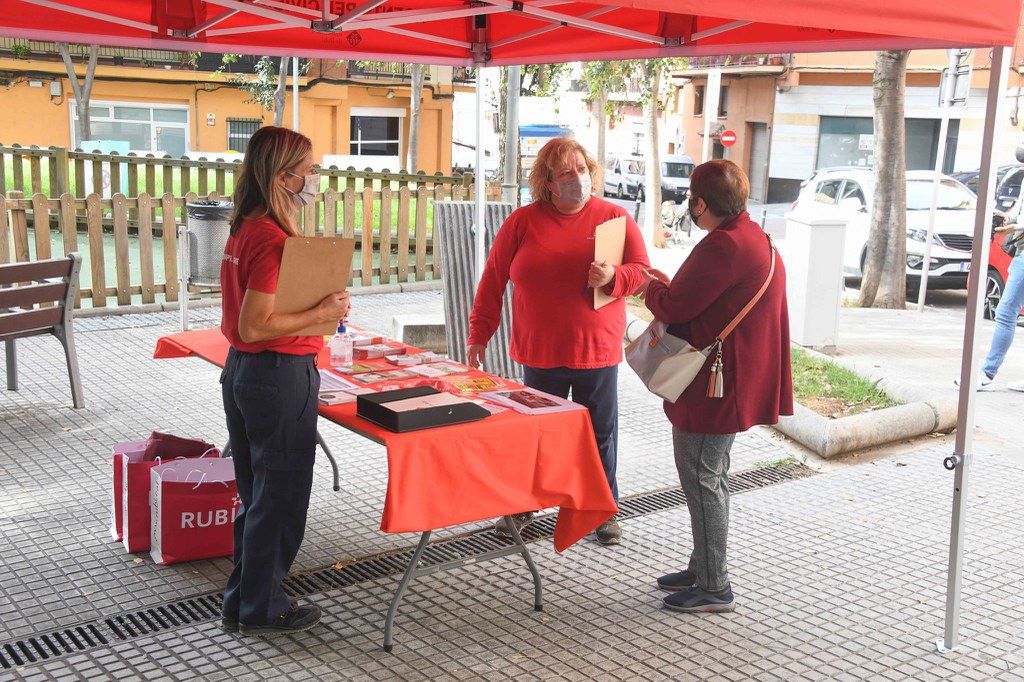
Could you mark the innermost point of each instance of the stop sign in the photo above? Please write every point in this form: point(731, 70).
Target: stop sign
point(727, 138)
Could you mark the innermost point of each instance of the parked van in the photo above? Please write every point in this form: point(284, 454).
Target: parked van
point(624, 177)
point(675, 178)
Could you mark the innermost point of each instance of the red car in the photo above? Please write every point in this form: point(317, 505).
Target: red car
point(998, 271)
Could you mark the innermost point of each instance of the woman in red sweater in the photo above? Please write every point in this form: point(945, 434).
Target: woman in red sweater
point(546, 249)
point(720, 277)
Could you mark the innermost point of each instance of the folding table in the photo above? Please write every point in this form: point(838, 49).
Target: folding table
point(504, 464)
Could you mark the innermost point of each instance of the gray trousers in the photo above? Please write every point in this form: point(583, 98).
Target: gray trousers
point(702, 460)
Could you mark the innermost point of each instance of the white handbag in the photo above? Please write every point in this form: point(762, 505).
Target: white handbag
point(668, 364)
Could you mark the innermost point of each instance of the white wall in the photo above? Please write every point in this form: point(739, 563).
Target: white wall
point(797, 112)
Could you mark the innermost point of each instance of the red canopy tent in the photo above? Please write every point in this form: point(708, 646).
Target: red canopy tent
point(499, 32)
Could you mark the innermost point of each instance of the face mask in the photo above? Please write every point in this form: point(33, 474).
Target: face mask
point(310, 185)
point(694, 216)
point(575, 189)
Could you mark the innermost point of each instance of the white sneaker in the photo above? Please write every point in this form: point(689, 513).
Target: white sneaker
point(987, 384)
point(1016, 385)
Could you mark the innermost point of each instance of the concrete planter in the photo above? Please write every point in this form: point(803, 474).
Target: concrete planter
point(920, 415)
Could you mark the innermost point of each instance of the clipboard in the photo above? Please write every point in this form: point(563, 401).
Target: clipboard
point(311, 268)
point(609, 242)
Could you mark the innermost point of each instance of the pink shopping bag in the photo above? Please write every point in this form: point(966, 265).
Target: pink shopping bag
point(119, 451)
point(193, 507)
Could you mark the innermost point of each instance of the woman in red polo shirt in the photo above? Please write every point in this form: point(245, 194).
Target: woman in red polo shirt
point(546, 249)
point(269, 384)
point(720, 277)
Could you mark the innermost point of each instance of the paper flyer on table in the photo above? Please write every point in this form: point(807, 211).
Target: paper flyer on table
point(329, 381)
point(531, 401)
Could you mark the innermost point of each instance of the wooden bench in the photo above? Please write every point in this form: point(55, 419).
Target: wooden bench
point(38, 298)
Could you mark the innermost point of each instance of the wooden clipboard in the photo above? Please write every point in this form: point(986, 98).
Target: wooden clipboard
point(609, 242)
point(311, 268)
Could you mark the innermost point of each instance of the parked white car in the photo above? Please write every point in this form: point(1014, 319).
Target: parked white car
point(847, 194)
point(624, 177)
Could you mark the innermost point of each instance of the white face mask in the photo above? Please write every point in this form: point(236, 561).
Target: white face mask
point(310, 185)
point(575, 189)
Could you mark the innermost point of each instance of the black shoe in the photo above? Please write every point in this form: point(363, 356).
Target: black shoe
point(609, 533)
point(229, 624)
point(520, 520)
point(295, 619)
point(673, 582)
point(695, 600)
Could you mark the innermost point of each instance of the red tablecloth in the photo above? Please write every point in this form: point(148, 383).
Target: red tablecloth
point(506, 463)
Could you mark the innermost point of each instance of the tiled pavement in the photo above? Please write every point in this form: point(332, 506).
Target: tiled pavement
point(839, 576)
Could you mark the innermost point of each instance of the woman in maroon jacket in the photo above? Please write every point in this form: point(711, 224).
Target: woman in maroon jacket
point(722, 274)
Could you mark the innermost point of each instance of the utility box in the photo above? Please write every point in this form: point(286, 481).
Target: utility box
point(813, 252)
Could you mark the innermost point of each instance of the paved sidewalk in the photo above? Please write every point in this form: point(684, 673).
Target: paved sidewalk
point(839, 575)
point(924, 350)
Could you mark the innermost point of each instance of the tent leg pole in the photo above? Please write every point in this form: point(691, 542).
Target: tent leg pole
point(963, 453)
point(295, 94)
point(480, 179)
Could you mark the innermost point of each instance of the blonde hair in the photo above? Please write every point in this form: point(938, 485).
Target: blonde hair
point(557, 154)
point(270, 151)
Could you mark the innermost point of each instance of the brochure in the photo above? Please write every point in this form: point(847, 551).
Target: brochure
point(329, 381)
point(531, 401)
point(468, 385)
point(341, 397)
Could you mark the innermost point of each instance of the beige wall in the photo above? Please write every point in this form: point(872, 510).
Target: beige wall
point(751, 100)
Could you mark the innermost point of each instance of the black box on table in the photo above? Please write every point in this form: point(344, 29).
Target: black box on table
point(419, 407)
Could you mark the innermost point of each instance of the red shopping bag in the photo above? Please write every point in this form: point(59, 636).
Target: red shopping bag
point(193, 508)
point(119, 450)
point(135, 484)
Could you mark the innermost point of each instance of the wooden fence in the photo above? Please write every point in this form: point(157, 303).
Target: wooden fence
point(55, 171)
point(393, 225)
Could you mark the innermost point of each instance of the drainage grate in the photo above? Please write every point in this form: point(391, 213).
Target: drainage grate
point(468, 548)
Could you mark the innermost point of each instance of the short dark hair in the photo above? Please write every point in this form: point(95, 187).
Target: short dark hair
point(722, 185)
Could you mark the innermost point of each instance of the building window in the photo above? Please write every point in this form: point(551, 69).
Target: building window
point(375, 136)
point(723, 102)
point(698, 100)
point(850, 141)
point(239, 132)
point(145, 127)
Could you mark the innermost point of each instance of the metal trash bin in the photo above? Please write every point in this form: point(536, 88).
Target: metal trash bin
point(455, 233)
point(208, 230)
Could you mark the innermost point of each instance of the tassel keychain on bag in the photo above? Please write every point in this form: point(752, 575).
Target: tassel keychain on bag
point(715, 384)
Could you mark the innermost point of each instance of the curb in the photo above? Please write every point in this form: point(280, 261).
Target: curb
point(922, 414)
point(212, 302)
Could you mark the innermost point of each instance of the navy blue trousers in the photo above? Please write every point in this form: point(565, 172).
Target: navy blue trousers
point(270, 400)
point(595, 389)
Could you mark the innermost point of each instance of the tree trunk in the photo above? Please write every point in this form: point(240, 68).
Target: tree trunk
point(601, 120)
point(509, 137)
point(501, 117)
point(414, 123)
point(82, 91)
point(652, 163)
point(282, 83)
point(884, 281)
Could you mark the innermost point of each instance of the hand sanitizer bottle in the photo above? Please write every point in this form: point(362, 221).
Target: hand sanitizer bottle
point(341, 347)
